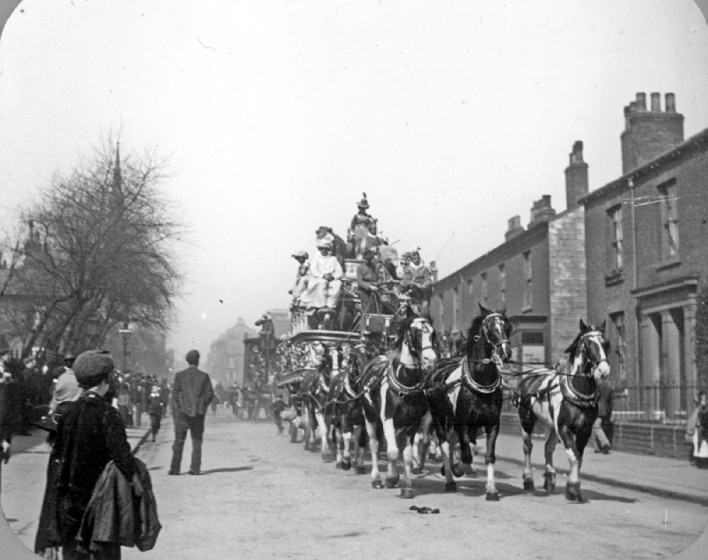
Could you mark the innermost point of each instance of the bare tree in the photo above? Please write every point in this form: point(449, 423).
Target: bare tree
point(99, 251)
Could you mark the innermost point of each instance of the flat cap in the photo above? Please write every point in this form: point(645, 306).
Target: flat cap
point(92, 367)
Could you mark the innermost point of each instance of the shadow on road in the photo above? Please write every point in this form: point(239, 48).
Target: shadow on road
point(230, 469)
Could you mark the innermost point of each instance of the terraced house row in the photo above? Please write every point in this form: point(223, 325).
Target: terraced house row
point(633, 253)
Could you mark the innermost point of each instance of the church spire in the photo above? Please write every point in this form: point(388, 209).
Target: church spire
point(117, 186)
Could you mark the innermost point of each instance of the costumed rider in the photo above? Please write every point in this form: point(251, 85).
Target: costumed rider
point(417, 281)
point(325, 280)
point(303, 275)
point(363, 229)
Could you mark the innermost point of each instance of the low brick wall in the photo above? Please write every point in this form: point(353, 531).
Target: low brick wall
point(631, 437)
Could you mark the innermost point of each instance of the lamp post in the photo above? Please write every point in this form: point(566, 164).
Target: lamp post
point(125, 333)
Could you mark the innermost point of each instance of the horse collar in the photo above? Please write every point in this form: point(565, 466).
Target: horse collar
point(577, 398)
point(399, 387)
point(473, 385)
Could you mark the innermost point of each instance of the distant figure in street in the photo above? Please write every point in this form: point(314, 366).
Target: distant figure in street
point(697, 431)
point(277, 408)
point(604, 418)
point(155, 410)
point(90, 433)
point(191, 394)
point(65, 386)
point(125, 405)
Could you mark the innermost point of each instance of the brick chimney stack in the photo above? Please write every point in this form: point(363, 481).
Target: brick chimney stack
point(514, 228)
point(542, 211)
point(648, 134)
point(576, 177)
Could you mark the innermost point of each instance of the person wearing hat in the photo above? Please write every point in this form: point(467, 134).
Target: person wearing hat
point(192, 393)
point(362, 230)
point(325, 280)
point(9, 410)
point(417, 280)
point(303, 274)
point(90, 433)
point(367, 278)
point(66, 388)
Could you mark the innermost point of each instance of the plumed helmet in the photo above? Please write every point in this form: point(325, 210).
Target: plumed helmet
point(92, 367)
point(363, 203)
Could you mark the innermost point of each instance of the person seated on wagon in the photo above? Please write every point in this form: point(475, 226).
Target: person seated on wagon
point(303, 275)
point(417, 280)
point(325, 280)
point(367, 279)
point(340, 249)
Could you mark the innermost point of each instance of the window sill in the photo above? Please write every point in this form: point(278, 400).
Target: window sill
point(615, 277)
point(667, 264)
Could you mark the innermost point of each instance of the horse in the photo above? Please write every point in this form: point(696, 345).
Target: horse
point(313, 393)
point(393, 400)
point(466, 395)
point(565, 400)
point(344, 415)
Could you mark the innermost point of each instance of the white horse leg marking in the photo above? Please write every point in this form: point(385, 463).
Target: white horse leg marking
point(392, 453)
point(491, 488)
point(326, 452)
point(374, 448)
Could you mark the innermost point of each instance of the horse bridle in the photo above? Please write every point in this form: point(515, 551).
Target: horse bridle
point(582, 343)
point(495, 345)
point(426, 328)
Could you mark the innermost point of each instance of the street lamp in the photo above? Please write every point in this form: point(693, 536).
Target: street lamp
point(125, 333)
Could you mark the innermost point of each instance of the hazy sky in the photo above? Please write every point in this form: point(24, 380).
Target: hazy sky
point(452, 116)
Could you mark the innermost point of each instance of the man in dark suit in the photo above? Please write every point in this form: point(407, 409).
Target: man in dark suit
point(191, 394)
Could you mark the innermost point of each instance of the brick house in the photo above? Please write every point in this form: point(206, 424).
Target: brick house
point(536, 270)
point(647, 258)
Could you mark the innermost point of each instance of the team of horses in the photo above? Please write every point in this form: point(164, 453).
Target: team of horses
point(409, 394)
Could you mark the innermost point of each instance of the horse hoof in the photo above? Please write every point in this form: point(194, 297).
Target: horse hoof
point(361, 470)
point(451, 486)
point(307, 446)
point(493, 496)
point(376, 484)
point(407, 493)
point(528, 484)
point(416, 470)
point(549, 483)
point(346, 465)
point(392, 482)
point(572, 492)
point(458, 470)
point(338, 466)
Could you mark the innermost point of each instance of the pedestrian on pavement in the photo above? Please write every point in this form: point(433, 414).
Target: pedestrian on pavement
point(191, 394)
point(155, 410)
point(90, 433)
point(9, 411)
point(66, 387)
point(277, 408)
point(125, 405)
point(697, 431)
point(603, 422)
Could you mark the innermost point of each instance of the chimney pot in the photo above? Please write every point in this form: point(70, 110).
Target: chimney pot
point(656, 102)
point(670, 102)
point(641, 101)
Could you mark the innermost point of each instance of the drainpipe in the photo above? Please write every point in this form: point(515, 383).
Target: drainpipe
point(635, 282)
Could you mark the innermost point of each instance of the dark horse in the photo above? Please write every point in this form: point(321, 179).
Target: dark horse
point(565, 400)
point(467, 395)
point(344, 414)
point(395, 402)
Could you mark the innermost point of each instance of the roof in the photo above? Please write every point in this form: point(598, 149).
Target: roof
point(687, 148)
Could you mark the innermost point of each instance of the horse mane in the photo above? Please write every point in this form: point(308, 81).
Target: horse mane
point(472, 332)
